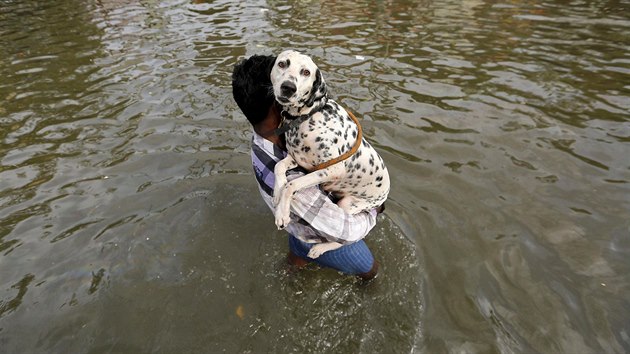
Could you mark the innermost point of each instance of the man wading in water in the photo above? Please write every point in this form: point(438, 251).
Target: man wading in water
point(315, 217)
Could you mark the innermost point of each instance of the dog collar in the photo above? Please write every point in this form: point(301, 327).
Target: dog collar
point(294, 121)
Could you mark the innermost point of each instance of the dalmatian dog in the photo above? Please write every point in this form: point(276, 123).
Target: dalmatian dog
point(320, 130)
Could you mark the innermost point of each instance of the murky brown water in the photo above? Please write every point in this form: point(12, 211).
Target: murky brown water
point(130, 220)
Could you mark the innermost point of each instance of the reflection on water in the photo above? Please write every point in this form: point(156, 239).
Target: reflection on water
point(127, 221)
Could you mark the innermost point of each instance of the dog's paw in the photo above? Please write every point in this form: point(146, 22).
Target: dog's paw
point(282, 222)
point(321, 248)
point(282, 218)
point(317, 251)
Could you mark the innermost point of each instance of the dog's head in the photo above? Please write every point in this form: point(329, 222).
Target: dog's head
point(298, 84)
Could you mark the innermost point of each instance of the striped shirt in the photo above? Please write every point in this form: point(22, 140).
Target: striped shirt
point(314, 217)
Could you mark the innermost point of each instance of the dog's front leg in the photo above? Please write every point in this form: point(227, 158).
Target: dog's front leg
point(280, 173)
point(283, 209)
point(322, 248)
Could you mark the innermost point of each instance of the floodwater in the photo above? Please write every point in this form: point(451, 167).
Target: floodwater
point(130, 220)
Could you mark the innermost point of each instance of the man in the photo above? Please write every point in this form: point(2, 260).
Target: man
point(315, 218)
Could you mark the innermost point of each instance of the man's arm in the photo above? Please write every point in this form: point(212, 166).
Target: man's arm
point(316, 216)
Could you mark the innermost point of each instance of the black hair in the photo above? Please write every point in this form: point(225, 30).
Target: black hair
point(251, 86)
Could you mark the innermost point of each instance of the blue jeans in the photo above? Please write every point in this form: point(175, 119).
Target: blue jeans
point(355, 258)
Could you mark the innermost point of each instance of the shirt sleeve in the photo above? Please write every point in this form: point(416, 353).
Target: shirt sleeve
point(314, 207)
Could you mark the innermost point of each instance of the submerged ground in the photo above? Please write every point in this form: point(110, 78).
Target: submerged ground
point(130, 220)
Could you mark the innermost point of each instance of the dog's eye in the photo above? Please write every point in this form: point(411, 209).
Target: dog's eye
point(306, 72)
point(282, 65)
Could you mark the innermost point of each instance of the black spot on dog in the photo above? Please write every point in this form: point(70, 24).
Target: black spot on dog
point(318, 90)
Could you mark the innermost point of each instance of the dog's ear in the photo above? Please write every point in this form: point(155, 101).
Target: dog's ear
point(319, 86)
point(270, 63)
point(319, 89)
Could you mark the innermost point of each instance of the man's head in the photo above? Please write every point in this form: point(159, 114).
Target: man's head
point(251, 87)
point(297, 82)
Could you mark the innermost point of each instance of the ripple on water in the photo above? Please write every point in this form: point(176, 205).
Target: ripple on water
point(125, 179)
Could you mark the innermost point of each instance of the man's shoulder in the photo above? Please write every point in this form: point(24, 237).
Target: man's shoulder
point(261, 145)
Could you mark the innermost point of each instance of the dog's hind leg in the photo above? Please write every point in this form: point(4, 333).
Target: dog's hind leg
point(351, 204)
point(280, 173)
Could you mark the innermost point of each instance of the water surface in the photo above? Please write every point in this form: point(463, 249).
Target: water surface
point(130, 220)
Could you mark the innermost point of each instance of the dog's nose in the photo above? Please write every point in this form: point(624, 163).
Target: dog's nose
point(288, 88)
